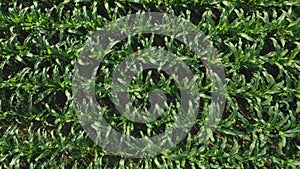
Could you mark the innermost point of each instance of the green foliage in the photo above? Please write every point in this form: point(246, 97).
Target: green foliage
point(258, 42)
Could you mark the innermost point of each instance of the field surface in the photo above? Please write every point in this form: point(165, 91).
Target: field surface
point(258, 43)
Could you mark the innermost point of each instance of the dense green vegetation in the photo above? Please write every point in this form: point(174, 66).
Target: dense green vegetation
point(259, 46)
